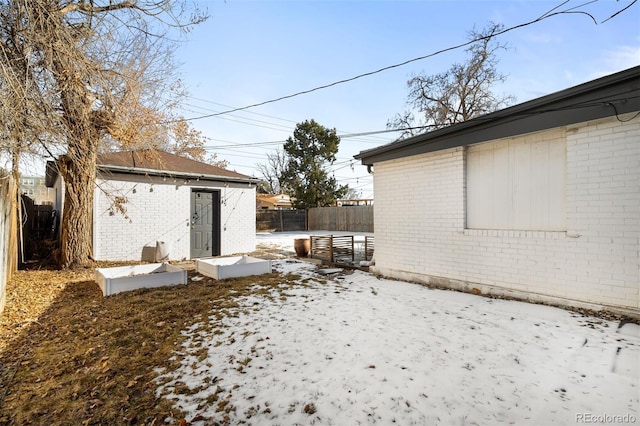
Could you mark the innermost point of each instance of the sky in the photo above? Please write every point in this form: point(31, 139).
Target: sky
point(352, 348)
point(251, 52)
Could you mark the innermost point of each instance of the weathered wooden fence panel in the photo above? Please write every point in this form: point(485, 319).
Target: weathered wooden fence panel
point(8, 242)
point(37, 230)
point(347, 218)
point(341, 249)
point(281, 220)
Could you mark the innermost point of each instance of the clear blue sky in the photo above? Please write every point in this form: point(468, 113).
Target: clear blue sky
point(254, 51)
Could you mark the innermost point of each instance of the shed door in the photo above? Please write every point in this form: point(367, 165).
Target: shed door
point(205, 224)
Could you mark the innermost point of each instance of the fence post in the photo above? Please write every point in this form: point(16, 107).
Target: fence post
point(8, 232)
point(353, 252)
point(331, 247)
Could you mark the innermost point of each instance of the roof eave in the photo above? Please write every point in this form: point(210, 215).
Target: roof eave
point(531, 116)
point(173, 174)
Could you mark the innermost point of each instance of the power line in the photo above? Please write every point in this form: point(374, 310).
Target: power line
point(202, 110)
point(284, 128)
point(249, 112)
point(352, 135)
point(342, 163)
point(245, 145)
point(546, 15)
point(242, 120)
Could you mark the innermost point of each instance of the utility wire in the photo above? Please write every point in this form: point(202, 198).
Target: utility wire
point(620, 11)
point(546, 15)
point(270, 143)
point(603, 102)
point(241, 120)
point(283, 127)
point(249, 112)
point(622, 97)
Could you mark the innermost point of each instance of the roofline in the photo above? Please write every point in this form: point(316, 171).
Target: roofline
point(604, 97)
point(168, 173)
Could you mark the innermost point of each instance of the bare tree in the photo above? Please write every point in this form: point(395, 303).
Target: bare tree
point(353, 194)
point(273, 171)
point(156, 127)
point(73, 71)
point(189, 142)
point(459, 94)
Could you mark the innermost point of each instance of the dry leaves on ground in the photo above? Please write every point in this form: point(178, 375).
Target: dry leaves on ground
point(68, 355)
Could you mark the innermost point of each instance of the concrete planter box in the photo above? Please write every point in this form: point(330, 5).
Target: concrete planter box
point(126, 278)
point(235, 266)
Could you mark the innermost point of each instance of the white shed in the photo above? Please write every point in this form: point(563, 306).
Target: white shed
point(540, 201)
point(194, 209)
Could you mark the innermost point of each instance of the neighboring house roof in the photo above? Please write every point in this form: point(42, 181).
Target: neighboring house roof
point(277, 200)
point(604, 97)
point(158, 163)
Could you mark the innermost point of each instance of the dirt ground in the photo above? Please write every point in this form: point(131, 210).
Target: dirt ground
point(69, 356)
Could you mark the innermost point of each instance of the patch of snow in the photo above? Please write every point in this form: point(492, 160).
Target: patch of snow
point(356, 349)
point(284, 240)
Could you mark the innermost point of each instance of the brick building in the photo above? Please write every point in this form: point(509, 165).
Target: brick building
point(540, 201)
point(195, 209)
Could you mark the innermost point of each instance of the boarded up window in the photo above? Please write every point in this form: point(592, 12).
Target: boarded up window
point(517, 184)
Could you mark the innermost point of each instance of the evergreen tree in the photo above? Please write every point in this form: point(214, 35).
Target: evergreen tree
point(310, 152)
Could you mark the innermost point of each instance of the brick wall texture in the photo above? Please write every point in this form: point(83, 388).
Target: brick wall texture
point(158, 210)
point(421, 235)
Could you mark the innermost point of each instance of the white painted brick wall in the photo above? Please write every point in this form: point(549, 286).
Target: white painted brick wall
point(160, 211)
point(238, 219)
point(420, 227)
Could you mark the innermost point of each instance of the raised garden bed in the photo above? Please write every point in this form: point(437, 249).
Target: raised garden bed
point(234, 266)
point(127, 278)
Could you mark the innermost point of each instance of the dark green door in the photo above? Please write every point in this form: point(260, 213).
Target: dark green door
point(205, 224)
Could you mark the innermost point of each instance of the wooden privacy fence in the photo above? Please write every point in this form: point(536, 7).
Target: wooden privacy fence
point(281, 220)
point(8, 233)
point(36, 219)
point(38, 225)
point(341, 249)
point(347, 218)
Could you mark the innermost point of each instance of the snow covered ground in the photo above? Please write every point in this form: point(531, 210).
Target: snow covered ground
point(349, 349)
